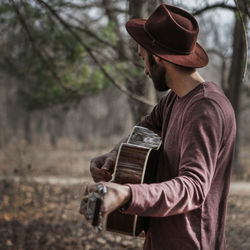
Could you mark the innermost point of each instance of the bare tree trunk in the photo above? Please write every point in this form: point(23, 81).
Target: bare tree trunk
point(235, 79)
point(123, 50)
point(141, 86)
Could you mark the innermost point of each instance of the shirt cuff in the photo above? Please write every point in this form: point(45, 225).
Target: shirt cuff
point(134, 206)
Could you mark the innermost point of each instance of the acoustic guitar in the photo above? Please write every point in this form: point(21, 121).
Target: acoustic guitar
point(136, 163)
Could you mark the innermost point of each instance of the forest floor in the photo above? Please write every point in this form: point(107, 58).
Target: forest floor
point(44, 215)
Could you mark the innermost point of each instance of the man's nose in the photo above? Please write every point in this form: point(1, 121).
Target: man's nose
point(146, 71)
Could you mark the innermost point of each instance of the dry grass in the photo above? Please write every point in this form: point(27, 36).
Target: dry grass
point(42, 216)
point(71, 161)
point(46, 161)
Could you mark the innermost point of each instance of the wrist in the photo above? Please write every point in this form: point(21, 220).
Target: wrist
point(127, 200)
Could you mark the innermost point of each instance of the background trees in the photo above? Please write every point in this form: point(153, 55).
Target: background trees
point(64, 51)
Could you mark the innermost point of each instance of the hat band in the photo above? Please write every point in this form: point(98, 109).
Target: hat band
point(163, 45)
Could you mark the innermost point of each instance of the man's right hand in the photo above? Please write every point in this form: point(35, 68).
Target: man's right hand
point(102, 167)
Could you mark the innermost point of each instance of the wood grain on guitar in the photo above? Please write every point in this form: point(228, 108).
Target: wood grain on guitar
point(136, 163)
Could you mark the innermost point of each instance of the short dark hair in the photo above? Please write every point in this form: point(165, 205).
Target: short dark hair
point(151, 59)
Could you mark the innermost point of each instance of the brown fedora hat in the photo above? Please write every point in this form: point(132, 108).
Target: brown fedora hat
point(171, 34)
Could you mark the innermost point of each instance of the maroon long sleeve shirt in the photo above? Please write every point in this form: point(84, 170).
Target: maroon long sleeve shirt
point(187, 204)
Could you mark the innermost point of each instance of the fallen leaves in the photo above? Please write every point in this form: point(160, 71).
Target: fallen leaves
point(42, 216)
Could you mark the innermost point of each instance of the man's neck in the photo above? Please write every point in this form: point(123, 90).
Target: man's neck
point(182, 82)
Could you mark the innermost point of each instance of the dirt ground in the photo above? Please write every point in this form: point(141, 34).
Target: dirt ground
point(44, 216)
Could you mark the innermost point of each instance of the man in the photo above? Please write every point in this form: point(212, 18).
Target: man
point(187, 204)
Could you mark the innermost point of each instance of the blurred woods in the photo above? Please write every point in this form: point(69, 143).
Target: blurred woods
point(70, 73)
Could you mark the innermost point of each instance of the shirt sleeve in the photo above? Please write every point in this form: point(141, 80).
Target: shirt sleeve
point(200, 140)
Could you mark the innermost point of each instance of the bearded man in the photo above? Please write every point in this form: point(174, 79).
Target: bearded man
point(186, 205)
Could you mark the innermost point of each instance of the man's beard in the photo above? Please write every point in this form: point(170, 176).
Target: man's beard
point(158, 74)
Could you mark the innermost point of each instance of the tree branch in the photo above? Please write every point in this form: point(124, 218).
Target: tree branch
point(37, 51)
point(89, 51)
point(88, 6)
point(84, 29)
point(213, 6)
point(72, 5)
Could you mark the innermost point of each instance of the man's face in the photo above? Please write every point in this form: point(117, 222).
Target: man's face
point(153, 69)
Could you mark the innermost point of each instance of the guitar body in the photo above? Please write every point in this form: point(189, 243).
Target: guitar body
point(135, 164)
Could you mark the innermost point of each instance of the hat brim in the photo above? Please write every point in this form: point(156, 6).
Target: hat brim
point(197, 59)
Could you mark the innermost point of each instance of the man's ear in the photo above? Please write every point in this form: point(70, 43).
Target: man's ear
point(157, 59)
